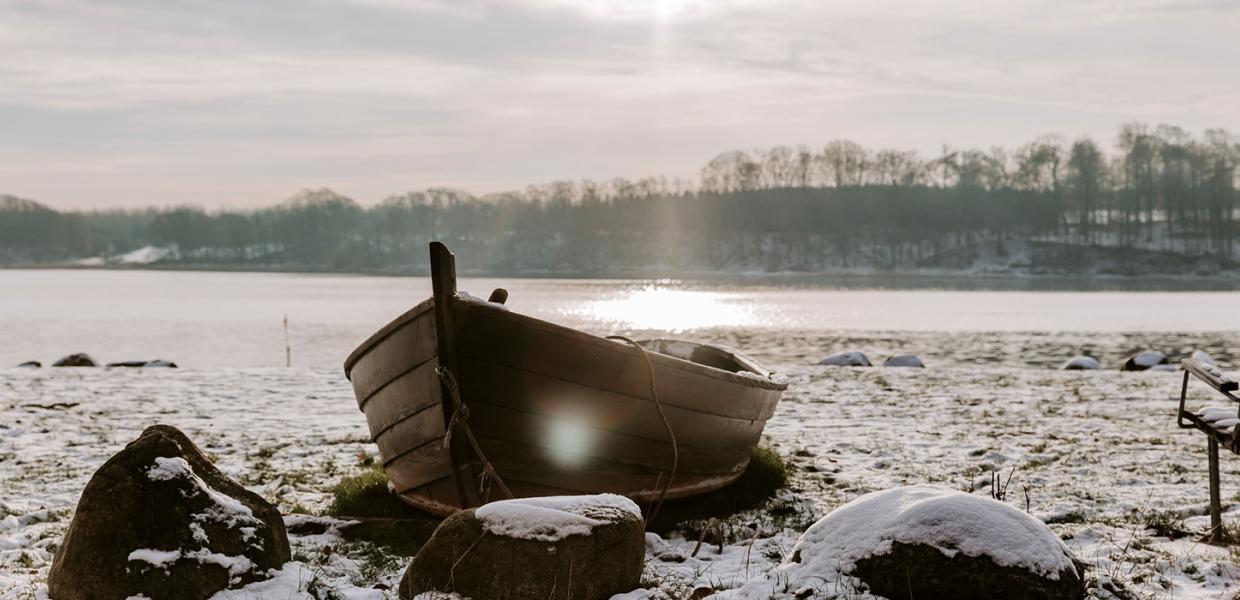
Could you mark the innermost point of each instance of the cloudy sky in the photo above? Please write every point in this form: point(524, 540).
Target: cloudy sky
point(242, 103)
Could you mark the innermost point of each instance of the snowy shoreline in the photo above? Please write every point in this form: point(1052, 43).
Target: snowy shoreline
point(1096, 455)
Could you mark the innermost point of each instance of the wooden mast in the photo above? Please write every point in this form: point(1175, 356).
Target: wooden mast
point(443, 285)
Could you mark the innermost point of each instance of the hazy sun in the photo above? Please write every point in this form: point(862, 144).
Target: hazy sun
point(659, 10)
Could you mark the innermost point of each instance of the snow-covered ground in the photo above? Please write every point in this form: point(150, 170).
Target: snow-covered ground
point(1096, 455)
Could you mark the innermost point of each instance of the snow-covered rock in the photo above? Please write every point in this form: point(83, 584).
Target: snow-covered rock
point(904, 360)
point(1144, 361)
point(559, 547)
point(158, 520)
point(846, 359)
point(929, 542)
point(1082, 363)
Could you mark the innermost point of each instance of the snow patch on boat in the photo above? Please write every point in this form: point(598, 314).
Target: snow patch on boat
point(553, 518)
point(464, 296)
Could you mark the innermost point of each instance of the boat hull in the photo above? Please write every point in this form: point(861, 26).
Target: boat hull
point(555, 411)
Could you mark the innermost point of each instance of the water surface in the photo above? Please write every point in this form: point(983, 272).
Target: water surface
point(214, 319)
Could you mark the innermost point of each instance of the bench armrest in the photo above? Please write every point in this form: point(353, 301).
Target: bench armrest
point(1210, 374)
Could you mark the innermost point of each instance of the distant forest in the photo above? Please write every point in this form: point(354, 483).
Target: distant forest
point(1047, 206)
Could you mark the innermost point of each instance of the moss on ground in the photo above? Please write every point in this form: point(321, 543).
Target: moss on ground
point(366, 494)
point(767, 472)
point(383, 520)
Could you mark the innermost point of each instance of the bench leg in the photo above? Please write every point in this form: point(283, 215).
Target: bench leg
point(1216, 508)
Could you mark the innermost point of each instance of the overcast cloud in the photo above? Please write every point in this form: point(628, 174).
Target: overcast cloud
point(156, 102)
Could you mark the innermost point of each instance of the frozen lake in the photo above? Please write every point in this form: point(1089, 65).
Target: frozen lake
point(213, 319)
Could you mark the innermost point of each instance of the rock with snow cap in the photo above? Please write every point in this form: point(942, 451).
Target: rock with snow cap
point(159, 521)
point(76, 360)
point(928, 542)
point(904, 360)
point(553, 548)
point(1082, 363)
point(1144, 361)
point(846, 359)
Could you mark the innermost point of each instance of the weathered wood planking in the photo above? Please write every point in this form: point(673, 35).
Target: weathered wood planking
point(579, 403)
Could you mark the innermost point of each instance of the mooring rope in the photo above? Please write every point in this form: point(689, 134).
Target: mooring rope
point(666, 424)
point(460, 418)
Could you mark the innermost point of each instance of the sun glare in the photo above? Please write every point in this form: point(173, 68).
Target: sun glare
point(667, 309)
point(659, 10)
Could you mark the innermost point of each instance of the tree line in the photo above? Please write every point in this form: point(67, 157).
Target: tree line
point(803, 208)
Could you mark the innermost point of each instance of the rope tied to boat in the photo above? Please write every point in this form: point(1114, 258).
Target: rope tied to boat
point(460, 418)
point(667, 483)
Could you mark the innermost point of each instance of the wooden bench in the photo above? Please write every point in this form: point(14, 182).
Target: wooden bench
point(1220, 426)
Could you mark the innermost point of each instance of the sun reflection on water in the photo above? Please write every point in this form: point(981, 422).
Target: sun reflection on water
point(669, 309)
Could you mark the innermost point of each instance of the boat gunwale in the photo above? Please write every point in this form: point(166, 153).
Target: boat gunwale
point(756, 380)
point(383, 333)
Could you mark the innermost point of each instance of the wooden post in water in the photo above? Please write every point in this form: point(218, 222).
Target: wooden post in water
point(443, 286)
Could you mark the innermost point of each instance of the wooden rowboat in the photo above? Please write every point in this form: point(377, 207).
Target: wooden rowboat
point(553, 410)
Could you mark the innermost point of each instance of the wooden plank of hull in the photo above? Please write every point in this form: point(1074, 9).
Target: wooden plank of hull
point(419, 466)
point(399, 347)
point(407, 396)
point(540, 394)
point(440, 497)
point(526, 462)
point(526, 344)
point(558, 444)
point(411, 434)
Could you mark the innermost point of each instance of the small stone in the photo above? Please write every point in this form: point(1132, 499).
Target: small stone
point(846, 359)
point(1082, 363)
point(30, 364)
point(76, 360)
point(672, 556)
point(1144, 361)
point(904, 360)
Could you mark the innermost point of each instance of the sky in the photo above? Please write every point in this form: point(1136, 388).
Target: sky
point(224, 103)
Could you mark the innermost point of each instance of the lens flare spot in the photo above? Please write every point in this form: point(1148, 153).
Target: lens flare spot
point(569, 441)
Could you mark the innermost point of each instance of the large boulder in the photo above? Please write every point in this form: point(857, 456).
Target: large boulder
point(846, 359)
point(928, 542)
point(554, 548)
point(158, 520)
point(1144, 361)
point(76, 360)
point(1082, 363)
point(904, 360)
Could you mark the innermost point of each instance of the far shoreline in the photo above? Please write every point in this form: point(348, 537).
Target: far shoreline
point(922, 279)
